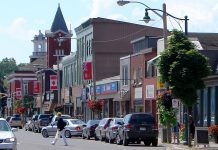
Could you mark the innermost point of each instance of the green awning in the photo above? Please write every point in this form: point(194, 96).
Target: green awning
point(151, 62)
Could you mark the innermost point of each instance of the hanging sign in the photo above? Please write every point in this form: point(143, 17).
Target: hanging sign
point(87, 70)
point(53, 82)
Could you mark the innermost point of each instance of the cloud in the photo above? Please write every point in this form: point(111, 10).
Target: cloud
point(18, 30)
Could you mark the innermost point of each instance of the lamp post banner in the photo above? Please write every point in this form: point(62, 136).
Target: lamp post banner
point(53, 82)
point(87, 70)
point(18, 93)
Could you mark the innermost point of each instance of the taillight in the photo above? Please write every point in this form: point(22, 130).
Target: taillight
point(77, 128)
point(128, 126)
point(155, 126)
point(114, 128)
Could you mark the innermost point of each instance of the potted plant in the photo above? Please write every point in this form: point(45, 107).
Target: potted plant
point(213, 131)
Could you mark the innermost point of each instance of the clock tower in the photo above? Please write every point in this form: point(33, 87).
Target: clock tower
point(58, 39)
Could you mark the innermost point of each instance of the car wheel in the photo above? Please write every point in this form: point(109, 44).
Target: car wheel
point(44, 133)
point(125, 141)
point(154, 142)
point(88, 137)
point(67, 134)
point(118, 140)
point(96, 138)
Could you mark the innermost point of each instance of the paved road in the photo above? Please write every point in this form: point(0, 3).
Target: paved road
point(34, 141)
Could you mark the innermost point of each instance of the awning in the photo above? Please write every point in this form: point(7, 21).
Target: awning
point(151, 62)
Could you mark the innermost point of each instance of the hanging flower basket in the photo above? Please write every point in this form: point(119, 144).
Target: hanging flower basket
point(213, 131)
point(95, 106)
point(21, 110)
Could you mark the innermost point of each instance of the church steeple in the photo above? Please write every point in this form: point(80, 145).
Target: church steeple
point(59, 22)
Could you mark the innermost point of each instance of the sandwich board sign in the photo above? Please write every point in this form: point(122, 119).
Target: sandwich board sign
point(201, 136)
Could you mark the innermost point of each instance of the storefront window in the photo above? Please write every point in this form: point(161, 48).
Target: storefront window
point(212, 105)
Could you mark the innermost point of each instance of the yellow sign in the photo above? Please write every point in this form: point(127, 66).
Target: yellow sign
point(160, 85)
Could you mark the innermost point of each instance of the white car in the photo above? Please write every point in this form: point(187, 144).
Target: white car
point(7, 137)
point(73, 128)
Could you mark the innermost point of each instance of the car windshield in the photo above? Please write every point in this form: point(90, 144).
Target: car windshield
point(44, 116)
point(92, 122)
point(120, 120)
point(77, 121)
point(16, 119)
point(4, 126)
point(142, 119)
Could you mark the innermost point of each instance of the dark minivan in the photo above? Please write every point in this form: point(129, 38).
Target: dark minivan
point(138, 127)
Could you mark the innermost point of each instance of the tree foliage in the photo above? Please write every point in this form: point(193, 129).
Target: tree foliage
point(183, 68)
point(7, 65)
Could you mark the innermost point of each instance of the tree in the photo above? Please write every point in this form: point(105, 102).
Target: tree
point(183, 68)
point(7, 65)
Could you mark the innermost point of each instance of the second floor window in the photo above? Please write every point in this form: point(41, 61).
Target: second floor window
point(125, 75)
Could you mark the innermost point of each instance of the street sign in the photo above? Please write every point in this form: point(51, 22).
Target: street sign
point(53, 82)
point(175, 103)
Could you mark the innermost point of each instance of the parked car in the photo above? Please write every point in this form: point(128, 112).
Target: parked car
point(40, 122)
point(112, 129)
point(101, 129)
point(73, 128)
point(28, 126)
point(16, 122)
point(138, 127)
point(7, 137)
point(89, 130)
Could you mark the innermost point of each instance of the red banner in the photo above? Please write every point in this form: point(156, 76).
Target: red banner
point(36, 87)
point(53, 82)
point(87, 70)
point(18, 93)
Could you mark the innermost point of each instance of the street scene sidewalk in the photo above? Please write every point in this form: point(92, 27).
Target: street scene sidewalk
point(212, 146)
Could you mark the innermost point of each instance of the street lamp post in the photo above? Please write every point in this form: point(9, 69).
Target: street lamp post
point(146, 19)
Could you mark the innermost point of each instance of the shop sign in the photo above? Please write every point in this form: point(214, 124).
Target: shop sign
point(53, 82)
point(107, 88)
point(36, 87)
point(87, 70)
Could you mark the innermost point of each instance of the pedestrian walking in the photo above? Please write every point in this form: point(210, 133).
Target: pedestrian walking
point(60, 130)
point(176, 130)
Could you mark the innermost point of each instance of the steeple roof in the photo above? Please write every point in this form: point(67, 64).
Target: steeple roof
point(59, 22)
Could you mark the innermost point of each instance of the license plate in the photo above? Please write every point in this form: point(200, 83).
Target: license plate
point(143, 129)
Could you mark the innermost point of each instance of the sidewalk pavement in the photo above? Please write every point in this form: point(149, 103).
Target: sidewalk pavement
point(212, 146)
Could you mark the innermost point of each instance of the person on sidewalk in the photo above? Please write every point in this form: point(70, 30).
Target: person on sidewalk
point(191, 130)
point(60, 130)
point(176, 130)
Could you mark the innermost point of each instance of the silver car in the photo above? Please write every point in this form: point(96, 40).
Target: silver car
point(7, 137)
point(73, 128)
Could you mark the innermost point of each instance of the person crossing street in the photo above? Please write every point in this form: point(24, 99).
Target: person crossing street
point(60, 130)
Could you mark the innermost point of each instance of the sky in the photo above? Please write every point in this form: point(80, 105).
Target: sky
point(21, 20)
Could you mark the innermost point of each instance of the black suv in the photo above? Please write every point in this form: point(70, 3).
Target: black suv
point(138, 127)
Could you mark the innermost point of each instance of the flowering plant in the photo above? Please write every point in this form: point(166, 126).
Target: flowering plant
point(95, 105)
point(213, 130)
